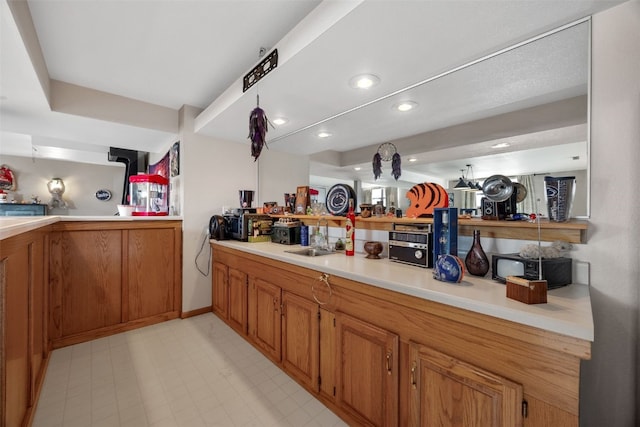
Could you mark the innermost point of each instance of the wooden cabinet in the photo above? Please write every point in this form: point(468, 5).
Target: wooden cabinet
point(23, 352)
point(39, 307)
point(111, 276)
point(284, 325)
point(327, 353)
point(230, 296)
point(448, 392)
point(300, 339)
point(220, 290)
point(86, 280)
point(264, 317)
point(385, 358)
point(238, 300)
point(367, 371)
point(150, 271)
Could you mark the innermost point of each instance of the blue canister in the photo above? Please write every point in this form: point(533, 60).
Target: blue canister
point(304, 235)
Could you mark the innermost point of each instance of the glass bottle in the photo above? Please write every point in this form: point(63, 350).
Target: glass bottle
point(351, 230)
point(476, 260)
point(443, 239)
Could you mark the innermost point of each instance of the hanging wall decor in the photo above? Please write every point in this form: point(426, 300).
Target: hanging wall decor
point(258, 127)
point(262, 69)
point(7, 179)
point(387, 152)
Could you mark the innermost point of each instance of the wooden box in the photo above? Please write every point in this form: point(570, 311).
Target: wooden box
point(527, 291)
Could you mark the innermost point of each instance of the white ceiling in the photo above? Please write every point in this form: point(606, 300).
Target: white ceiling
point(157, 56)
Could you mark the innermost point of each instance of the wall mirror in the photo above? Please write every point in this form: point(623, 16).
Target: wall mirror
point(522, 111)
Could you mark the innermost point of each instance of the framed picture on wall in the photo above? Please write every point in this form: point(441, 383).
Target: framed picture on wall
point(161, 167)
point(174, 159)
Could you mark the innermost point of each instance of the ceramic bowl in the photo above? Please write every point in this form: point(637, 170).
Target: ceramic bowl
point(373, 249)
point(365, 210)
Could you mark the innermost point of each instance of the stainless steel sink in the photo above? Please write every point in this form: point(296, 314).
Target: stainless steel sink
point(311, 252)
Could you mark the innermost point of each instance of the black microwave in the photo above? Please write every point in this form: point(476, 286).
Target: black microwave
point(556, 271)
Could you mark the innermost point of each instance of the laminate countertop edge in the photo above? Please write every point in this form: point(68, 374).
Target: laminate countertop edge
point(567, 311)
point(13, 225)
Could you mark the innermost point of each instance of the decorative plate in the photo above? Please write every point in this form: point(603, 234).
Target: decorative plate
point(386, 151)
point(338, 196)
point(521, 191)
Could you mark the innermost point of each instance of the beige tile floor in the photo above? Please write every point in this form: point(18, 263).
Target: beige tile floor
point(192, 372)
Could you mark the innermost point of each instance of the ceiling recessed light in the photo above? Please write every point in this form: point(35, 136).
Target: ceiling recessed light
point(278, 121)
point(405, 106)
point(357, 168)
point(413, 159)
point(364, 81)
point(323, 134)
point(501, 145)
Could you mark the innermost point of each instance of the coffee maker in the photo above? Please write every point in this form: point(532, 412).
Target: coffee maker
point(235, 221)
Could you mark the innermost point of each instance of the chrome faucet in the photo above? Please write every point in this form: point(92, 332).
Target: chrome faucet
point(321, 237)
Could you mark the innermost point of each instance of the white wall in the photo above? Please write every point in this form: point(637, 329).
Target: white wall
point(212, 172)
point(609, 382)
point(280, 173)
point(81, 181)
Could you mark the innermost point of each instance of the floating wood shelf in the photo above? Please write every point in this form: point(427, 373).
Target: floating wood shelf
point(574, 231)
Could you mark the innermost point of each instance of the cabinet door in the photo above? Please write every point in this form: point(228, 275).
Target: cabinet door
point(150, 272)
point(23, 314)
point(327, 354)
point(367, 372)
point(39, 309)
point(300, 341)
point(238, 300)
point(449, 393)
point(86, 281)
point(14, 278)
point(266, 325)
point(220, 290)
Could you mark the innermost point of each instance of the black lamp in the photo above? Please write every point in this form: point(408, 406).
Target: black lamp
point(469, 184)
point(461, 185)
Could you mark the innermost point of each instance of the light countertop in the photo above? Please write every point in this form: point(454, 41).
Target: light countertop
point(567, 311)
point(13, 225)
